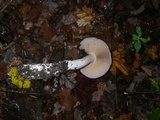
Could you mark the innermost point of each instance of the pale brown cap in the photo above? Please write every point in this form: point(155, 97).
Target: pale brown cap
point(102, 53)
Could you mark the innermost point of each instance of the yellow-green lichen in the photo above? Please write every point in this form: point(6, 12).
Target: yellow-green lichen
point(17, 79)
point(77, 36)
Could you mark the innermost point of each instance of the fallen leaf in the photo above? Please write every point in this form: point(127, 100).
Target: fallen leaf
point(139, 77)
point(152, 52)
point(121, 67)
point(68, 19)
point(87, 10)
point(125, 117)
point(58, 108)
point(97, 94)
point(66, 98)
point(84, 16)
point(3, 69)
point(24, 9)
point(110, 86)
point(147, 70)
point(119, 61)
point(136, 62)
point(46, 30)
point(77, 114)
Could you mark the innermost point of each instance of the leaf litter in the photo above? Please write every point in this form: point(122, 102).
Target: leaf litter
point(49, 31)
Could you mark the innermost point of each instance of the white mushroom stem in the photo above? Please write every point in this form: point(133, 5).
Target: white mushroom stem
point(80, 63)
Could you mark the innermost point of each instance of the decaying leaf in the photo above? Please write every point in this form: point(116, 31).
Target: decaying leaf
point(15, 61)
point(125, 117)
point(119, 61)
point(82, 29)
point(139, 77)
point(3, 69)
point(136, 62)
point(110, 86)
point(24, 9)
point(147, 70)
point(77, 114)
point(84, 16)
point(65, 98)
point(85, 12)
point(58, 108)
point(152, 52)
point(68, 19)
point(97, 94)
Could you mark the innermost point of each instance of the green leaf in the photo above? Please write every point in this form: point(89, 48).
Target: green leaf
point(137, 46)
point(154, 83)
point(155, 114)
point(135, 37)
point(139, 31)
point(144, 40)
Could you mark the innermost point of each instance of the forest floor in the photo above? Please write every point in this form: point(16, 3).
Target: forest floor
point(48, 31)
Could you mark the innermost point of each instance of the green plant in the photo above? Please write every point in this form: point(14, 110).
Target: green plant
point(155, 114)
point(154, 83)
point(138, 39)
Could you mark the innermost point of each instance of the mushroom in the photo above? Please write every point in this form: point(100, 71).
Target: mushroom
point(98, 60)
point(94, 65)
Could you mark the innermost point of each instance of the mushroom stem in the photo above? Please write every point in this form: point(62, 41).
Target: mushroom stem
point(94, 65)
point(80, 63)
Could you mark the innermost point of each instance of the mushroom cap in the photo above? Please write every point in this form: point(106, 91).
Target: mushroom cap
point(103, 60)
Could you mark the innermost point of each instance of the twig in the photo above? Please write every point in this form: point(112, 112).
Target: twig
point(5, 6)
point(22, 93)
point(146, 98)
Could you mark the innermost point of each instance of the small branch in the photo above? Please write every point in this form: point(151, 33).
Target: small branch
point(5, 6)
point(146, 98)
point(22, 93)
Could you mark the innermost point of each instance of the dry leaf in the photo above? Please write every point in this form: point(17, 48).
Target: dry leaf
point(118, 61)
point(136, 62)
point(87, 10)
point(139, 77)
point(147, 70)
point(97, 94)
point(58, 108)
point(82, 29)
point(152, 52)
point(68, 19)
point(66, 98)
point(3, 69)
point(84, 17)
point(110, 86)
point(24, 9)
point(78, 114)
point(125, 117)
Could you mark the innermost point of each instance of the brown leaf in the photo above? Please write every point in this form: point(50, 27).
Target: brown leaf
point(46, 31)
point(136, 62)
point(84, 17)
point(119, 61)
point(97, 94)
point(152, 52)
point(121, 67)
point(87, 10)
point(3, 69)
point(125, 117)
point(66, 98)
point(147, 70)
point(24, 9)
point(113, 69)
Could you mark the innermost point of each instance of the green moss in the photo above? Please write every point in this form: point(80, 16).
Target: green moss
point(17, 79)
